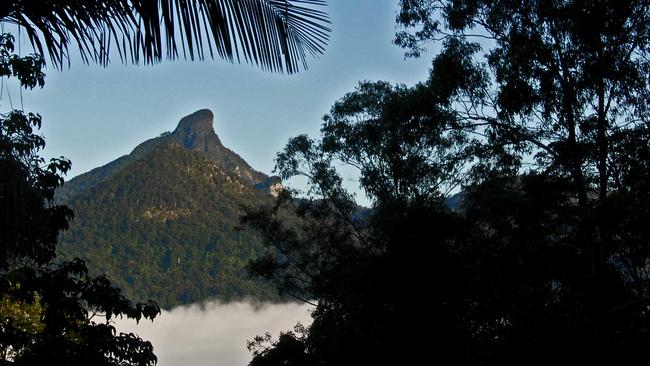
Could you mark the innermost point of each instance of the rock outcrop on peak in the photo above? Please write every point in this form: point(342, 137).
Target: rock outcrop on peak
point(200, 123)
point(196, 132)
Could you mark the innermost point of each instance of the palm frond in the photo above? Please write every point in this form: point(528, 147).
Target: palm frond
point(276, 35)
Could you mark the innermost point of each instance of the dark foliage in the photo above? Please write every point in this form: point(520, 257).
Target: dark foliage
point(564, 97)
point(65, 301)
point(369, 272)
point(544, 261)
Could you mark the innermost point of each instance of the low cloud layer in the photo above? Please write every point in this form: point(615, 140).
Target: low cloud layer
point(215, 333)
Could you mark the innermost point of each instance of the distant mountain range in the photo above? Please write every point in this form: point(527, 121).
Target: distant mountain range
point(162, 220)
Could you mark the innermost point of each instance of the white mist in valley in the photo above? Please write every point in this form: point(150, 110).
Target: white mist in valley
point(214, 333)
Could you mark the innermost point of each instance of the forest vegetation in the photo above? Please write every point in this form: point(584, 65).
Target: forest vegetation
point(51, 311)
point(163, 222)
point(538, 112)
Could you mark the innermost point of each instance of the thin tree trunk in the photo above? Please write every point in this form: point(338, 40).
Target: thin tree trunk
point(602, 238)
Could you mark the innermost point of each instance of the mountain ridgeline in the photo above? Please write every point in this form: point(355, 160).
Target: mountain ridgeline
point(162, 221)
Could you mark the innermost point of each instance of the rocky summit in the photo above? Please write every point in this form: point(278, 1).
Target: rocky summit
point(196, 132)
point(162, 221)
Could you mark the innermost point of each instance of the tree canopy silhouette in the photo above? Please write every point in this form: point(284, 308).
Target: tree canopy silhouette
point(366, 268)
point(563, 90)
point(538, 112)
point(51, 312)
point(276, 35)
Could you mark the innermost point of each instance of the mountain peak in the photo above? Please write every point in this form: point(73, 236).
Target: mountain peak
point(196, 128)
point(194, 132)
point(201, 119)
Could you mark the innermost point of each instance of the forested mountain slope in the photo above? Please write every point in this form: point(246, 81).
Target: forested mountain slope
point(162, 221)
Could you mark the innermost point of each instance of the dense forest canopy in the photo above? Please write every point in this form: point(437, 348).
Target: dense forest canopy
point(165, 227)
point(544, 126)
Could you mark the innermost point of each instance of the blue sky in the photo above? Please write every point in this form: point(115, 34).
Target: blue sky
point(93, 115)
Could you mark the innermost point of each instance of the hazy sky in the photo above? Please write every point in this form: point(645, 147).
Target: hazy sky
point(93, 115)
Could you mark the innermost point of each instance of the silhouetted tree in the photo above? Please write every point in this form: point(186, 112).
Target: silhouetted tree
point(277, 35)
point(59, 314)
point(368, 270)
point(561, 94)
point(545, 260)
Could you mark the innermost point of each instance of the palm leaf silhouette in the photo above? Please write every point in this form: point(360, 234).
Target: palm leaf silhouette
point(276, 35)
